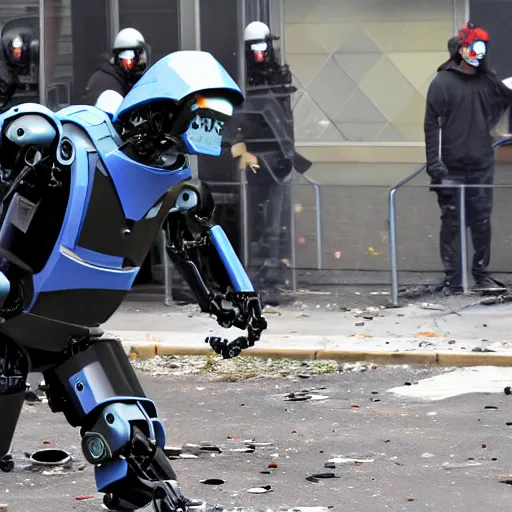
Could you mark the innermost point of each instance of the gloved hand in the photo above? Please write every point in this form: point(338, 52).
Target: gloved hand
point(437, 171)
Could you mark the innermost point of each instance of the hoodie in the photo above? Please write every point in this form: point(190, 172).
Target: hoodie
point(108, 76)
point(469, 105)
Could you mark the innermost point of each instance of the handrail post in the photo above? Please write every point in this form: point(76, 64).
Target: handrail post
point(319, 228)
point(392, 233)
point(165, 263)
point(245, 220)
point(292, 240)
point(392, 248)
point(463, 238)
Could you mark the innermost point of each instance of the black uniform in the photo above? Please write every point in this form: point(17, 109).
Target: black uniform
point(107, 77)
point(469, 105)
point(8, 82)
point(265, 124)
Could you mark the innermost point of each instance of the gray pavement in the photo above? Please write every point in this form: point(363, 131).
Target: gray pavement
point(427, 454)
point(444, 325)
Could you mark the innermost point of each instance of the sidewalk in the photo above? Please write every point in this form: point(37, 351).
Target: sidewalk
point(443, 336)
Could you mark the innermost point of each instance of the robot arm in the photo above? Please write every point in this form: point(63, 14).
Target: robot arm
point(206, 259)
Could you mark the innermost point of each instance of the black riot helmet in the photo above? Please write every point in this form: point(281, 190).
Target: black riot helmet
point(20, 44)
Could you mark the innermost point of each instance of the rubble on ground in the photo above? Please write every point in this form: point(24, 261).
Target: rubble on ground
point(242, 368)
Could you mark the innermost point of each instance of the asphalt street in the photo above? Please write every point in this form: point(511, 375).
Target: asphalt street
point(421, 454)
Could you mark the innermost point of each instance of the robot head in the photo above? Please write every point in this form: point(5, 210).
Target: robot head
point(258, 43)
point(20, 44)
point(131, 52)
point(473, 45)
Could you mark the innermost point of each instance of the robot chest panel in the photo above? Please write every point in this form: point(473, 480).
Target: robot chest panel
point(106, 230)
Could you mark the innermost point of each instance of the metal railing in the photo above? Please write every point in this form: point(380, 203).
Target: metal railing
point(462, 223)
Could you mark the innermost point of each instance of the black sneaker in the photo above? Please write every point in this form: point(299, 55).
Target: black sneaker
point(489, 286)
point(446, 287)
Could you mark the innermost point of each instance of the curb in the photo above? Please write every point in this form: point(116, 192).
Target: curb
point(440, 359)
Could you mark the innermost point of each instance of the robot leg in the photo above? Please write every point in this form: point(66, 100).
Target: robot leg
point(97, 389)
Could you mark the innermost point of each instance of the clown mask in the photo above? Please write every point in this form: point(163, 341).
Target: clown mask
point(474, 53)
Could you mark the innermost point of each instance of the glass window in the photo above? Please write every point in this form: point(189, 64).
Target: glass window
point(75, 43)
point(363, 67)
point(157, 20)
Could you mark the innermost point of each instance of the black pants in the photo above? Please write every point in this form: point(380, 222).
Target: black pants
point(478, 205)
point(269, 203)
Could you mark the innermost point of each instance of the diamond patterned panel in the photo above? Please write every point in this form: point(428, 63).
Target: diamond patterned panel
point(331, 87)
point(359, 41)
point(312, 124)
point(357, 65)
point(359, 109)
point(306, 67)
point(387, 87)
point(365, 65)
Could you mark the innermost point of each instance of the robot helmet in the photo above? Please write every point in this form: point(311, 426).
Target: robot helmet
point(131, 52)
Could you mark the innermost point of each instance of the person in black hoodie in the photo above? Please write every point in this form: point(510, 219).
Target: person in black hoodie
point(464, 101)
point(127, 64)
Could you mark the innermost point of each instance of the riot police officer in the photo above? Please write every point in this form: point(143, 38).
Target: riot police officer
point(19, 62)
point(264, 143)
point(129, 60)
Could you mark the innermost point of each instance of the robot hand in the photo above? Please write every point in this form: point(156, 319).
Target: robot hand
point(245, 313)
point(205, 258)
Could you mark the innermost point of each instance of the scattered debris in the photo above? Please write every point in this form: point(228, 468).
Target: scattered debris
point(427, 456)
point(244, 450)
point(432, 307)
point(427, 334)
point(173, 451)
point(213, 481)
point(210, 448)
point(347, 460)
point(31, 397)
point(484, 350)
point(491, 407)
point(82, 498)
point(297, 397)
point(272, 465)
point(320, 476)
point(260, 490)
point(464, 465)
point(254, 444)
